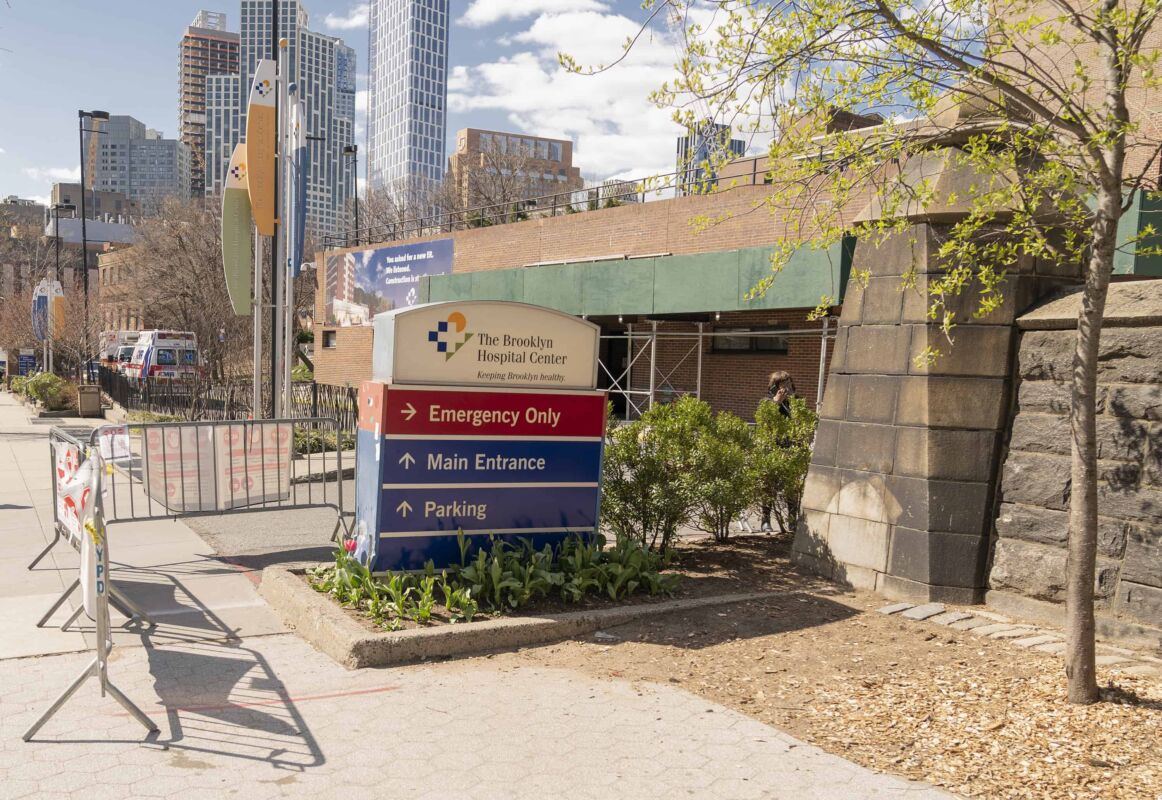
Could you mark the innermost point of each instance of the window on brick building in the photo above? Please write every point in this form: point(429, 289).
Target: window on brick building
point(328, 339)
point(745, 340)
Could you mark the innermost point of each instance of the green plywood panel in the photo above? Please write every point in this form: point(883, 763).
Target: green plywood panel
point(618, 287)
point(557, 286)
point(454, 286)
point(704, 282)
point(424, 289)
point(1145, 211)
point(498, 284)
point(808, 275)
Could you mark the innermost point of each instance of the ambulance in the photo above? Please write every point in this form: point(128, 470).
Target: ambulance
point(117, 348)
point(163, 355)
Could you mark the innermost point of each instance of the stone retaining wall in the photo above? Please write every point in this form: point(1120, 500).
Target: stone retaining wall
point(1028, 566)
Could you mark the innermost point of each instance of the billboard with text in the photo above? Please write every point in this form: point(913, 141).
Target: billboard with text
point(360, 284)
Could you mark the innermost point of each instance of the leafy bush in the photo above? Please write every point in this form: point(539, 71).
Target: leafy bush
point(20, 384)
point(51, 391)
point(780, 457)
point(152, 416)
point(648, 489)
point(319, 440)
point(500, 578)
point(723, 476)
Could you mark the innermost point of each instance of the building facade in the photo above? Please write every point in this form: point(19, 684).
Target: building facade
point(127, 157)
point(495, 167)
point(323, 70)
point(705, 146)
point(408, 92)
point(108, 206)
point(206, 49)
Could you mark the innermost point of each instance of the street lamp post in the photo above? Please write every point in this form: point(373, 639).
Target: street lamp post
point(353, 151)
point(81, 116)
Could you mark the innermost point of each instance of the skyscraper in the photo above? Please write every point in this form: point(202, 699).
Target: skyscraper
point(323, 70)
point(137, 161)
point(705, 146)
point(207, 48)
point(407, 103)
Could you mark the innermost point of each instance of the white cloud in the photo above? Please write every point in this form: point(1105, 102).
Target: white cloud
point(356, 17)
point(58, 174)
point(2, 151)
point(617, 130)
point(361, 101)
point(488, 12)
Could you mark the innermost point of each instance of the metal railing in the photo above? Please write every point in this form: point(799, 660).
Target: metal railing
point(652, 188)
point(198, 400)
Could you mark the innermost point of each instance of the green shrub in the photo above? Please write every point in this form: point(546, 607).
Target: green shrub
point(780, 457)
point(500, 578)
point(724, 479)
point(152, 416)
point(319, 440)
point(51, 391)
point(20, 384)
point(648, 489)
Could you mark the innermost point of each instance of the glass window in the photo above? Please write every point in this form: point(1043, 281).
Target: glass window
point(555, 151)
point(189, 358)
point(737, 342)
point(166, 357)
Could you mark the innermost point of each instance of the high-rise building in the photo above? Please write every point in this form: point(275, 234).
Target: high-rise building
point(323, 70)
point(493, 167)
point(139, 162)
point(705, 146)
point(207, 49)
point(408, 91)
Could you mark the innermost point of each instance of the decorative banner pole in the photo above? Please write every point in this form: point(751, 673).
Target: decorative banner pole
point(261, 132)
point(237, 229)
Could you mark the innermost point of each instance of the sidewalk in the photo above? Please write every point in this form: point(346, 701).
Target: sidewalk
point(245, 708)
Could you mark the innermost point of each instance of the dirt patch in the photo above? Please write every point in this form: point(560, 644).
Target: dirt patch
point(977, 716)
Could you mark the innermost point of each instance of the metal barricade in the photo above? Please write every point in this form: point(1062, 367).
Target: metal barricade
point(172, 470)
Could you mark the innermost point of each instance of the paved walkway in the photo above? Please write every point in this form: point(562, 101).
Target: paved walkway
point(248, 710)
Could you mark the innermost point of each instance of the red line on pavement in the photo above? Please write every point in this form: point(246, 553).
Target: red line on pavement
point(259, 703)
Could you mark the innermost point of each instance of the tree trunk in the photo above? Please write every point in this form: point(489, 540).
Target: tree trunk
point(1080, 668)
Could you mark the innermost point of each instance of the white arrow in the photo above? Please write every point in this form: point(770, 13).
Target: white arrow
point(407, 460)
point(403, 508)
point(408, 411)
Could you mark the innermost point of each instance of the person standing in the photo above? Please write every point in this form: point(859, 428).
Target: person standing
point(780, 390)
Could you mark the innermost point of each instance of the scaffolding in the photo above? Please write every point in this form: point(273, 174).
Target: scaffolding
point(643, 344)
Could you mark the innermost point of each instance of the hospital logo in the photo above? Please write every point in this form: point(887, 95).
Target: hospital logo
point(450, 335)
point(263, 88)
point(238, 171)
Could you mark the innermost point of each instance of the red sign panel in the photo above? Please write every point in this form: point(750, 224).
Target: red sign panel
point(455, 412)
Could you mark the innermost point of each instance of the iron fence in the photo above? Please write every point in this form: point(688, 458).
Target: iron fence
point(202, 400)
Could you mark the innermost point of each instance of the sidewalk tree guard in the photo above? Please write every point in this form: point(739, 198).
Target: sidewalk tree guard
point(1038, 108)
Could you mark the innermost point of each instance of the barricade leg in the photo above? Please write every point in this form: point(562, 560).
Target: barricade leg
point(73, 617)
point(60, 601)
point(56, 537)
point(92, 669)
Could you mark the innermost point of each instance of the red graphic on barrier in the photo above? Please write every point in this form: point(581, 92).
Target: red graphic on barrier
point(454, 412)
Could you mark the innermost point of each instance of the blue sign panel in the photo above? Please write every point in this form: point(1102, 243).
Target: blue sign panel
point(26, 364)
point(482, 461)
point(488, 508)
point(364, 283)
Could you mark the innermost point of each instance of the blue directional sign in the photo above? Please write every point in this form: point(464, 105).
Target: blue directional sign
point(26, 363)
point(488, 508)
point(480, 461)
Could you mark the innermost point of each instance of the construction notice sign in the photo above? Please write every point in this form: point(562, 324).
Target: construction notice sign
point(189, 468)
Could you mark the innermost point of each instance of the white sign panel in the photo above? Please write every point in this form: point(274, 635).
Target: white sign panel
point(179, 468)
point(71, 496)
point(254, 463)
point(485, 343)
point(113, 442)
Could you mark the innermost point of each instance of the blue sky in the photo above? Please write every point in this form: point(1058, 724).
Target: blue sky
point(122, 56)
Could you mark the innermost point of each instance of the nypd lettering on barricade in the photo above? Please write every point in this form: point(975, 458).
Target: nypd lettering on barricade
point(452, 440)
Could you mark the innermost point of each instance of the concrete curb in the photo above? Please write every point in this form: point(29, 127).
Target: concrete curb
point(331, 630)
